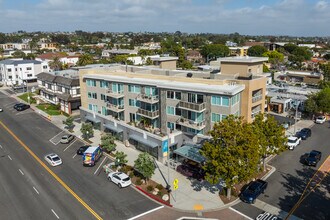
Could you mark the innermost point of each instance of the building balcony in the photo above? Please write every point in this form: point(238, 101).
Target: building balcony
point(148, 114)
point(192, 106)
point(191, 124)
point(115, 108)
point(148, 98)
point(256, 98)
point(116, 95)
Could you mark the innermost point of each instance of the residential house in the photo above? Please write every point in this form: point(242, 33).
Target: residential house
point(61, 87)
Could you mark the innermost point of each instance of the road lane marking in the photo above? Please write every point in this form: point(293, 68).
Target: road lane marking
point(145, 213)
point(245, 216)
point(36, 190)
point(81, 201)
point(21, 171)
point(69, 145)
point(55, 214)
point(9, 157)
point(100, 165)
point(74, 155)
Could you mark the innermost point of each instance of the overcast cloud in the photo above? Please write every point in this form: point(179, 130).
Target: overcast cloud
point(252, 17)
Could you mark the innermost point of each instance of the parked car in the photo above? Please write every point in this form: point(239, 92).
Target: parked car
point(311, 158)
point(17, 105)
point(66, 139)
point(253, 190)
point(22, 107)
point(304, 133)
point(1, 110)
point(53, 159)
point(293, 142)
point(82, 149)
point(320, 119)
point(120, 179)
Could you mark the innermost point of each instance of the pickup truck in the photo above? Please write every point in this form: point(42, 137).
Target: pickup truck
point(253, 190)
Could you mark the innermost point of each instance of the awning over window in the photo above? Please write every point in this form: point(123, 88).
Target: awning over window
point(190, 152)
point(92, 119)
point(113, 128)
point(143, 141)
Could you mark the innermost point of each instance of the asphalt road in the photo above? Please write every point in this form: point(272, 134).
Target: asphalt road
point(287, 183)
point(19, 200)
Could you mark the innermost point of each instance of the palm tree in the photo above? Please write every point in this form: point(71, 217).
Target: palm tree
point(85, 59)
point(33, 44)
point(55, 64)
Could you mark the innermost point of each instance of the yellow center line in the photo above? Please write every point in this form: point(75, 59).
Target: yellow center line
point(303, 196)
point(52, 173)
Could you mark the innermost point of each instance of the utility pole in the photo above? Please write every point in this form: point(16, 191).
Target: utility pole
point(295, 118)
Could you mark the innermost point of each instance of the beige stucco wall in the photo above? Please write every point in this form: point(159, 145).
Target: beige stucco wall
point(170, 65)
point(229, 68)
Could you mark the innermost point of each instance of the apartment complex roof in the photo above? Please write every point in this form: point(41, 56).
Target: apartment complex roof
point(175, 82)
point(17, 62)
point(243, 59)
point(49, 56)
point(164, 58)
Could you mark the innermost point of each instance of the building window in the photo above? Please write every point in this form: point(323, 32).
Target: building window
point(217, 117)
point(59, 88)
point(134, 88)
point(103, 97)
point(170, 125)
point(235, 99)
point(104, 110)
point(43, 83)
point(92, 95)
point(9, 70)
point(170, 110)
point(104, 84)
point(220, 100)
point(92, 107)
point(134, 103)
point(44, 67)
point(28, 68)
point(173, 95)
point(195, 98)
point(91, 83)
point(29, 75)
point(78, 91)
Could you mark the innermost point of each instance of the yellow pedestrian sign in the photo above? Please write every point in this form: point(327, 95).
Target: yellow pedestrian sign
point(175, 184)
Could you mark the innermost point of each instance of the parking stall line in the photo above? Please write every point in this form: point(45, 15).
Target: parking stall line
point(100, 165)
point(9, 157)
point(70, 145)
point(51, 140)
point(74, 155)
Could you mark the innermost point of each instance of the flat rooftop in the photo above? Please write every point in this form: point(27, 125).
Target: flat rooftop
point(242, 59)
point(164, 58)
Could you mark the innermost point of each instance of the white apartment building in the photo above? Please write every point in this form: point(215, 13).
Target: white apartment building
point(18, 71)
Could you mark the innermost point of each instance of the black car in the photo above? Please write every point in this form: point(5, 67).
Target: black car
point(304, 133)
point(22, 107)
point(82, 149)
point(18, 105)
point(253, 190)
point(311, 158)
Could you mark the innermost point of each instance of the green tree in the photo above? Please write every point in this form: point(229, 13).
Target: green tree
point(271, 137)
point(108, 142)
point(33, 44)
point(55, 64)
point(265, 68)
point(186, 65)
point(19, 54)
point(213, 51)
point(318, 102)
point(275, 57)
point(327, 56)
point(326, 71)
point(256, 51)
point(68, 122)
point(232, 154)
point(121, 158)
point(144, 164)
point(85, 59)
point(149, 61)
point(87, 130)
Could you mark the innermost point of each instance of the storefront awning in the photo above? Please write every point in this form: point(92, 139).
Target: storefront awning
point(113, 128)
point(143, 141)
point(190, 152)
point(92, 119)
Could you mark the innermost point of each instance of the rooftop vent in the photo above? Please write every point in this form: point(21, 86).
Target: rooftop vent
point(189, 75)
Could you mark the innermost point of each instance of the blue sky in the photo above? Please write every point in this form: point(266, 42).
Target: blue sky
point(251, 17)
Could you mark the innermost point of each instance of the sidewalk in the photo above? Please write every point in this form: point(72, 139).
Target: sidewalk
point(300, 125)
